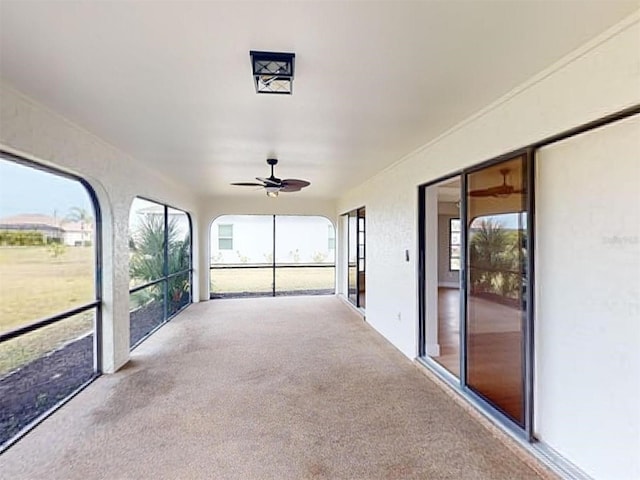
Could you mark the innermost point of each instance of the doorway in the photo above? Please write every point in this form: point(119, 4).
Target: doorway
point(443, 276)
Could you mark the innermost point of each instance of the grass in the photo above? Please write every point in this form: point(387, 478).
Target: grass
point(33, 285)
point(26, 348)
point(260, 280)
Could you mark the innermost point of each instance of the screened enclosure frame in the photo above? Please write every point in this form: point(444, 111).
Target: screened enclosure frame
point(525, 431)
point(274, 266)
point(166, 276)
point(95, 305)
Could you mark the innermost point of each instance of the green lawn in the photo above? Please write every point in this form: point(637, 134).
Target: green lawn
point(21, 350)
point(33, 285)
point(254, 280)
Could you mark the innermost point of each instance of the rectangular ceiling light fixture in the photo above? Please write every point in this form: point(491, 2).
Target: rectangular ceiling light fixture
point(273, 72)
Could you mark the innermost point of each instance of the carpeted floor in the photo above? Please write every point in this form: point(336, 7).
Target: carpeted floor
point(268, 388)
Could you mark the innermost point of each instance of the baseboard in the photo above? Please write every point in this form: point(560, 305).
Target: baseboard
point(358, 310)
point(448, 284)
point(565, 468)
point(433, 349)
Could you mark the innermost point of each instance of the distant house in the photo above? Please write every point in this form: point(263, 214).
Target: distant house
point(249, 239)
point(67, 232)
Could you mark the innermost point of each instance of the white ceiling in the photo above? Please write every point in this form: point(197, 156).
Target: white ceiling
point(170, 82)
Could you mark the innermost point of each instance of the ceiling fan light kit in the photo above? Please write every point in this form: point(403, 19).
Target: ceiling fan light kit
point(273, 72)
point(273, 185)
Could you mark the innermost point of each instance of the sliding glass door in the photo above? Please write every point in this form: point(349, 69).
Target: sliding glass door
point(496, 279)
point(356, 254)
point(352, 227)
point(361, 259)
point(477, 225)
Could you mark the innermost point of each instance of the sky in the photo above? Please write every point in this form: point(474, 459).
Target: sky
point(29, 190)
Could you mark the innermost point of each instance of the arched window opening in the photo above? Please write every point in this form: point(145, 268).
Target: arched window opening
point(269, 255)
point(49, 291)
point(160, 266)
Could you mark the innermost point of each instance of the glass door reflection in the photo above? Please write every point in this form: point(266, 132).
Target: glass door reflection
point(496, 282)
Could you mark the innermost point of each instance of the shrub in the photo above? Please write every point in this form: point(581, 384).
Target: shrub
point(26, 238)
point(147, 261)
point(319, 257)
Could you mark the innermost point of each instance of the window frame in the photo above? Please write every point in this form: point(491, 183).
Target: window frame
point(228, 238)
point(452, 245)
point(164, 280)
point(331, 242)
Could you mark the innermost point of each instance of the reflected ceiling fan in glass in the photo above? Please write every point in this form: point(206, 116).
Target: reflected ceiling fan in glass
point(499, 191)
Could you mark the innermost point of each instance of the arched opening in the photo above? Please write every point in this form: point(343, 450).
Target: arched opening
point(160, 266)
point(269, 255)
point(50, 307)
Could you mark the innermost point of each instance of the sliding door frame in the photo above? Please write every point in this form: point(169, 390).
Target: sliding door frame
point(347, 215)
point(527, 334)
point(526, 432)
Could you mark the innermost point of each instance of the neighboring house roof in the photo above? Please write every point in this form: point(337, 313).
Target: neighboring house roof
point(38, 221)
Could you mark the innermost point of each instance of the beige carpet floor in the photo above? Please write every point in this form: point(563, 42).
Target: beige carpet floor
point(284, 388)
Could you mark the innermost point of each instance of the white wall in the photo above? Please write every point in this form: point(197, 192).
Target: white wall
point(31, 130)
point(600, 78)
point(299, 239)
point(588, 299)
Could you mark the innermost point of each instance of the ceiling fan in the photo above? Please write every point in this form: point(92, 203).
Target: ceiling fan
point(498, 191)
point(274, 185)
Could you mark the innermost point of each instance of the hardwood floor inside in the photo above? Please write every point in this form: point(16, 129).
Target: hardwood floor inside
point(494, 368)
point(449, 329)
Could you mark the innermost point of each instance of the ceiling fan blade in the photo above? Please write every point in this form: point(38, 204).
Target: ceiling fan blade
point(273, 184)
point(270, 181)
point(500, 191)
point(290, 188)
point(486, 192)
point(248, 184)
point(295, 182)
